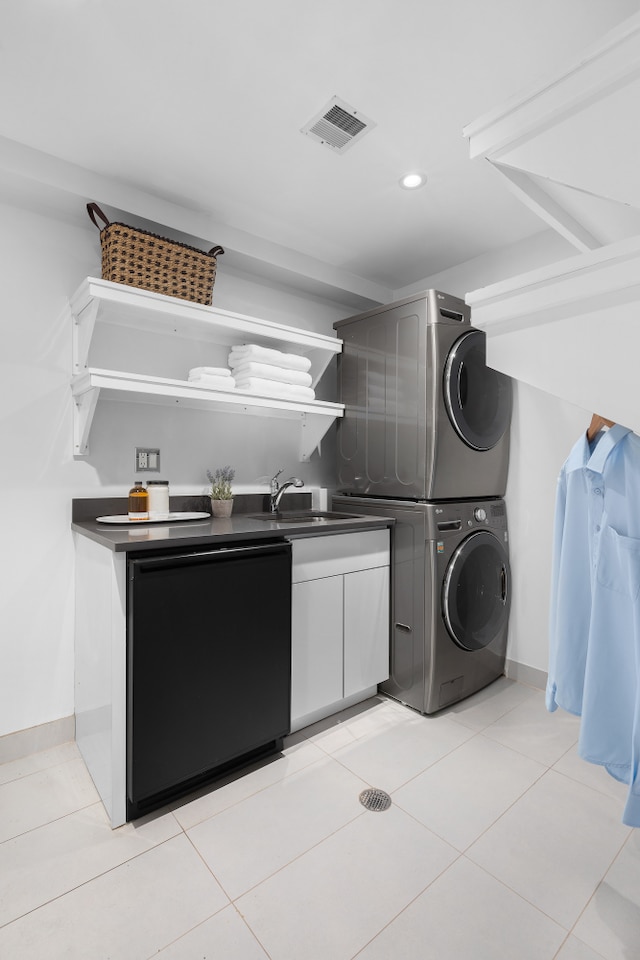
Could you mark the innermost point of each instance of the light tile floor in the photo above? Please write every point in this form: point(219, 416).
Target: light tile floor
point(499, 843)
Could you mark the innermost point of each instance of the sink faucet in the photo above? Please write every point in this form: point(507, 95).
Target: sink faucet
point(277, 490)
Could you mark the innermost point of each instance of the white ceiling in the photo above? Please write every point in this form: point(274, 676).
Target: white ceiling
point(200, 103)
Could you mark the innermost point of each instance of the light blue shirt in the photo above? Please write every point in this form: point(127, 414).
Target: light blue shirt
point(594, 642)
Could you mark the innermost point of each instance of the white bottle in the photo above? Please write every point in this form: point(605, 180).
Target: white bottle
point(158, 491)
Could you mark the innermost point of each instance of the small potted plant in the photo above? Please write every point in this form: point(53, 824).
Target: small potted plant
point(220, 491)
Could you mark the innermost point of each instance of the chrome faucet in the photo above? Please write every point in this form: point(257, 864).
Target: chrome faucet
point(277, 490)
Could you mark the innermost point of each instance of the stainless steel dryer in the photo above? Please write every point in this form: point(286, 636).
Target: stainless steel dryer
point(425, 417)
point(450, 597)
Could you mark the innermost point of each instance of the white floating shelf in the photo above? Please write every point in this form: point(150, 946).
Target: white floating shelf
point(129, 307)
point(118, 304)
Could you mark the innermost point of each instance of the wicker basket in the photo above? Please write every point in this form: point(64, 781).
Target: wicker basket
point(142, 259)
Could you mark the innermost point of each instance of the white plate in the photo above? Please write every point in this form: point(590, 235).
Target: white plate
point(167, 519)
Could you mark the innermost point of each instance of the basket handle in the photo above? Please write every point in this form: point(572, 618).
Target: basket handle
point(94, 210)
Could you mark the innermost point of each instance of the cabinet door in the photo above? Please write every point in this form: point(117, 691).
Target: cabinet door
point(366, 629)
point(316, 648)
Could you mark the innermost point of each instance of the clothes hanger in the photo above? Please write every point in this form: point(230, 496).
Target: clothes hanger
point(597, 423)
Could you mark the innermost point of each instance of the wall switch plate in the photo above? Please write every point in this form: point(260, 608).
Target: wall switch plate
point(147, 458)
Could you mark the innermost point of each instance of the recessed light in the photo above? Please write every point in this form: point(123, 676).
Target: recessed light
point(411, 181)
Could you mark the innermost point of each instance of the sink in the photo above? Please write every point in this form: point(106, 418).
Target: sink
point(303, 516)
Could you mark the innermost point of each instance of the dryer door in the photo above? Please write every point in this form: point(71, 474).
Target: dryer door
point(478, 399)
point(475, 592)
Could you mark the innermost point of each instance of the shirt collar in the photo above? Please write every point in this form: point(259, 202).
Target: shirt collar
point(581, 455)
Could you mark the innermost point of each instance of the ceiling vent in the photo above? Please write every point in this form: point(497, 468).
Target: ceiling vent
point(338, 126)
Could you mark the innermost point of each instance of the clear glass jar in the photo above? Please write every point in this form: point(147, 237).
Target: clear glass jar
point(138, 502)
point(158, 491)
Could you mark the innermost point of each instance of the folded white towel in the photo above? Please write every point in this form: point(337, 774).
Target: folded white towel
point(209, 372)
point(267, 371)
point(213, 383)
point(252, 351)
point(271, 388)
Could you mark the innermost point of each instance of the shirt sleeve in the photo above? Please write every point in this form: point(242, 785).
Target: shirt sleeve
point(556, 559)
point(631, 814)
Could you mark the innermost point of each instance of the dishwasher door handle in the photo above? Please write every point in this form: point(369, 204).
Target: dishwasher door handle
point(217, 555)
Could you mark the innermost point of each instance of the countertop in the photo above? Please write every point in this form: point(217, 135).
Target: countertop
point(240, 527)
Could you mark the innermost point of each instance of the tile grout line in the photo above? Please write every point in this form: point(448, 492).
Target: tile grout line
point(513, 802)
point(407, 905)
point(430, 766)
point(487, 828)
point(283, 866)
point(50, 766)
point(581, 783)
point(206, 792)
point(544, 763)
point(597, 887)
point(46, 823)
point(525, 899)
point(251, 931)
point(464, 853)
point(228, 906)
point(516, 893)
point(509, 710)
point(561, 947)
point(566, 941)
point(84, 883)
point(181, 830)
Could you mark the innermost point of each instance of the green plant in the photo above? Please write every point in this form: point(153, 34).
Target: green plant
point(221, 483)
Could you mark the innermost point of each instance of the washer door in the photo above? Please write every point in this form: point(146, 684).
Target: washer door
point(475, 592)
point(478, 399)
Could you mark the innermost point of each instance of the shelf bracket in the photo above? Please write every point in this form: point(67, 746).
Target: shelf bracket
point(312, 430)
point(84, 409)
point(83, 326)
point(322, 359)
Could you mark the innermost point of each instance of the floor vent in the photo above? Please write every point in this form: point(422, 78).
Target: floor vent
point(338, 126)
point(374, 799)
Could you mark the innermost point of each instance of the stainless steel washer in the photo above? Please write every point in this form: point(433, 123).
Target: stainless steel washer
point(451, 593)
point(425, 418)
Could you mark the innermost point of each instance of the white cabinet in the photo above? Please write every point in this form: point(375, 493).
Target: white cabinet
point(101, 669)
point(317, 641)
point(340, 622)
point(340, 642)
point(366, 629)
point(103, 302)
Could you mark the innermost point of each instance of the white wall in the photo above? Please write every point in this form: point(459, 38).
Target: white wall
point(43, 262)
point(544, 428)
point(543, 431)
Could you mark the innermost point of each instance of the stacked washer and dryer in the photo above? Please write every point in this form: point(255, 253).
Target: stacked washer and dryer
point(425, 440)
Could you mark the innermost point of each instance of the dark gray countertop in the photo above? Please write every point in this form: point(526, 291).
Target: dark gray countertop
point(240, 527)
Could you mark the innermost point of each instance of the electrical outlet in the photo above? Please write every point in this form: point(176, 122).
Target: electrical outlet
point(147, 458)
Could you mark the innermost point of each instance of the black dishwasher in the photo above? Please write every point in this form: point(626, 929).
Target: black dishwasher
point(208, 665)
